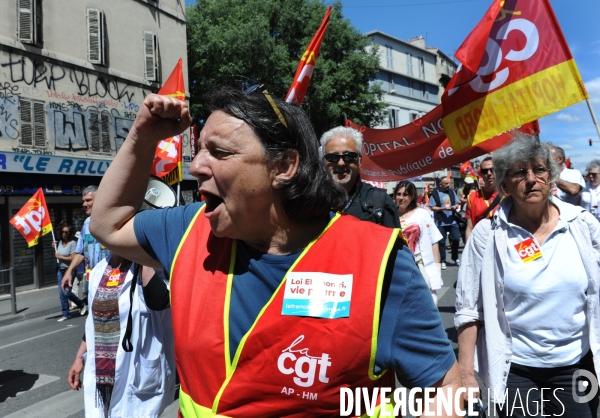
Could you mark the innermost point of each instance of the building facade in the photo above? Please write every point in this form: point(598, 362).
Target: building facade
point(73, 75)
point(413, 78)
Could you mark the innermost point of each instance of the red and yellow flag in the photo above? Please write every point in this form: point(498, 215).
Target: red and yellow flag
point(467, 170)
point(33, 220)
point(168, 155)
point(516, 67)
point(307, 64)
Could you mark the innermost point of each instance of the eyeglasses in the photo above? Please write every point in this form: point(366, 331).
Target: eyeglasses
point(593, 174)
point(65, 232)
point(347, 156)
point(255, 87)
point(538, 172)
point(486, 170)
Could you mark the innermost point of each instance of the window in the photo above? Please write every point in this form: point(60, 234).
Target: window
point(391, 89)
point(29, 22)
point(100, 131)
point(421, 68)
point(33, 123)
point(150, 56)
point(393, 118)
point(95, 28)
point(409, 64)
point(388, 55)
point(414, 116)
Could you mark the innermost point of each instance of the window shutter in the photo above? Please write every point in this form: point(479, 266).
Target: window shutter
point(26, 125)
point(95, 26)
point(94, 130)
point(150, 61)
point(105, 123)
point(39, 125)
point(25, 21)
point(39, 24)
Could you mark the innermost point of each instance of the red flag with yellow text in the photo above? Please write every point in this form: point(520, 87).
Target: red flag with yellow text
point(307, 64)
point(516, 67)
point(168, 155)
point(33, 220)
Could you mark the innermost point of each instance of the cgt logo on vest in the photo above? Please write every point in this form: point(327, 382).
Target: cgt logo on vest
point(302, 365)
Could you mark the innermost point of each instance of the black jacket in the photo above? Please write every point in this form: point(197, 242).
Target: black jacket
point(363, 204)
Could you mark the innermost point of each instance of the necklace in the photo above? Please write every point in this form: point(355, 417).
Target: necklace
point(540, 234)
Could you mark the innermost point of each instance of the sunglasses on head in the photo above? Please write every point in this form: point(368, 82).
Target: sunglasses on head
point(347, 156)
point(486, 170)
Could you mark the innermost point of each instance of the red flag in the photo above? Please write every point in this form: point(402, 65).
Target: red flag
point(168, 155)
point(418, 148)
point(516, 67)
point(467, 170)
point(307, 64)
point(33, 220)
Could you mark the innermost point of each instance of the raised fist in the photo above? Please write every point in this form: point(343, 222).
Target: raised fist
point(161, 117)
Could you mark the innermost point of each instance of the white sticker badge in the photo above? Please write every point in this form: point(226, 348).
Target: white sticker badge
point(319, 295)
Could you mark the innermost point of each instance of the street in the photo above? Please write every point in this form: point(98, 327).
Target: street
point(36, 354)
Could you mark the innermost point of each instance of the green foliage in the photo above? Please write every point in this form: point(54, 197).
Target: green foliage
point(245, 42)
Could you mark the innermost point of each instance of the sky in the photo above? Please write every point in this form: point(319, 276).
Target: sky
point(446, 23)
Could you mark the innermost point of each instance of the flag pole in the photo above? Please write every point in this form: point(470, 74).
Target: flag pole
point(54, 241)
point(593, 116)
point(178, 192)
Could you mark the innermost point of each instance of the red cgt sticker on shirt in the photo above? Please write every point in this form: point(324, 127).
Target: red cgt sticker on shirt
point(528, 250)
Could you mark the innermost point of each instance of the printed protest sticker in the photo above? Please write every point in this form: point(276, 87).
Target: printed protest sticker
point(528, 250)
point(316, 294)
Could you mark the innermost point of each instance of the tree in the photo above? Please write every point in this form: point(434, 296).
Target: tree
point(245, 42)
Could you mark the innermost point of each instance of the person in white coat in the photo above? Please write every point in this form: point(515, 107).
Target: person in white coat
point(116, 382)
point(527, 294)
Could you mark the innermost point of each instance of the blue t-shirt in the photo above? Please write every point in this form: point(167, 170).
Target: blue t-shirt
point(445, 217)
point(91, 249)
point(412, 340)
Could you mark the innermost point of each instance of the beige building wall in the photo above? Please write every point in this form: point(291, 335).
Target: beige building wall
point(55, 102)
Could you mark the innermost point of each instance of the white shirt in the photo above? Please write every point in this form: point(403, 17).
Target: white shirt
point(421, 224)
point(538, 285)
point(590, 198)
point(572, 176)
point(480, 291)
point(145, 377)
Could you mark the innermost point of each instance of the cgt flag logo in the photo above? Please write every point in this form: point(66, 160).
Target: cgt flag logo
point(33, 220)
point(528, 250)
point(516, 67)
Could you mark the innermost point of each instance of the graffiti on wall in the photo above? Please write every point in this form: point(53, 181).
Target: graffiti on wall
point(75, 111)
point(9, 108)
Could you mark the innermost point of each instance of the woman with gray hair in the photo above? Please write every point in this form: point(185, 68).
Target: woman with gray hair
point(527, 293)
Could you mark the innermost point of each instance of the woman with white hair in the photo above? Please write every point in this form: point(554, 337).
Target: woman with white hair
point(527, 293)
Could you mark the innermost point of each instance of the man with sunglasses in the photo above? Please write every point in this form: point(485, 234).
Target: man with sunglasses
point(341, 150)
point(590, 197)
point(571, 183)
point(484, 202)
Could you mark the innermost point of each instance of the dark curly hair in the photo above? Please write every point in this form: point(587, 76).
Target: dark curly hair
point(310, 193)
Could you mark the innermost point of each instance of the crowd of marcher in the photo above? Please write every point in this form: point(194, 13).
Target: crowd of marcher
point(293, 274)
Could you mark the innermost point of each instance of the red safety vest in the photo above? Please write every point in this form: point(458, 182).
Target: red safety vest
point(285, 365)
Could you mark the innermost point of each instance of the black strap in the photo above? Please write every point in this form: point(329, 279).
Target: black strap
point(492, 206)
point(126, 344)
point(375, 205)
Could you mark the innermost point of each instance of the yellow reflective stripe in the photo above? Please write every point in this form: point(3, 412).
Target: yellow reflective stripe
point(183, 239)
point(376, 313)
point(238, 352)
point(190, 409)
point(228, 368)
